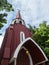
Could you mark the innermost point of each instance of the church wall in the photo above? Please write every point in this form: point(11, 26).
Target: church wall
point(5, 62)
point(17, 28)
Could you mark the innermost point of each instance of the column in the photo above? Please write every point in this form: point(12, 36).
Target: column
point(15, 61)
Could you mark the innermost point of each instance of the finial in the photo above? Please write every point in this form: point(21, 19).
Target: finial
point(18, 15)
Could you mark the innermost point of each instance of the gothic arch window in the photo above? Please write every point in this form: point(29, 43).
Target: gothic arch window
point(22, 36)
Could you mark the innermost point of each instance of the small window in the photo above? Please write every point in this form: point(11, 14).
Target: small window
point(20, 22)
point(22, 36)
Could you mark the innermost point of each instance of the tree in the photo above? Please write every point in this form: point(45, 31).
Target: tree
point(41, 36)
point(4, 5)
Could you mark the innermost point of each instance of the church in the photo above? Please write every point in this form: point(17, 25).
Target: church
point(18, 48)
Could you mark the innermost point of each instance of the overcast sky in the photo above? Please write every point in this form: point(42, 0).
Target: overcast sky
point(32, 11)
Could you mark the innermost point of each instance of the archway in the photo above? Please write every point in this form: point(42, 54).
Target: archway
point(35, 52)
point(24, 57)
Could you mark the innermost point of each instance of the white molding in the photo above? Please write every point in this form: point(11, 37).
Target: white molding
point(21, 44)
point(15, 61)
point(22, 35)
point(40, 62)
point(29, 56)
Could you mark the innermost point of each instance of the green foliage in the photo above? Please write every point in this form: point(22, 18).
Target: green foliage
point(2, 19)
point(47, 51)
point(41, 36)
point(4, 5)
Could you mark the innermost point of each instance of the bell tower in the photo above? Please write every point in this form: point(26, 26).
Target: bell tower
point(18, 19)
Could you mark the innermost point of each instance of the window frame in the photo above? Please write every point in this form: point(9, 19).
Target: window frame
point(22, 36)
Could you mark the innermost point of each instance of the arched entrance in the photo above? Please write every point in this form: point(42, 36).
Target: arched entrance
point(24, 57)
point(28, 51)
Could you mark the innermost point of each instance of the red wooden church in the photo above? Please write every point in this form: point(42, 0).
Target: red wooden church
point(18, 48)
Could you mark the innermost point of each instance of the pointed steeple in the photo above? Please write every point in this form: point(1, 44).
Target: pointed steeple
point(18, 19)
point(18, 15)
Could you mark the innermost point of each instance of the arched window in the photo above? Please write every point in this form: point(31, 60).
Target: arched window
point(22, 36)
point(20, 22)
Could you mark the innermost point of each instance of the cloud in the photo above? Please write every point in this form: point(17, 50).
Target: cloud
point(36, 10)
point(32, 10)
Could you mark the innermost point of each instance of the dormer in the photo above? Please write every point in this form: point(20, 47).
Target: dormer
point(18, 19)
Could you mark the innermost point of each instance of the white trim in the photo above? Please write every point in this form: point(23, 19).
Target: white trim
point(30, 58)
point(40, 62)
point(21, 44)
point(22, 36)
point(15, 61)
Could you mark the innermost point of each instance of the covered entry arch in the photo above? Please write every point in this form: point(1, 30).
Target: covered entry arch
point(24, 57)
point(36, 53)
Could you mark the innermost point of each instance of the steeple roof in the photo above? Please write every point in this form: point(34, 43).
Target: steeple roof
point(18, 15)
point(18, 19)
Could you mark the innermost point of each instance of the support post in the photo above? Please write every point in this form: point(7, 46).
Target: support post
point(15, 61)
